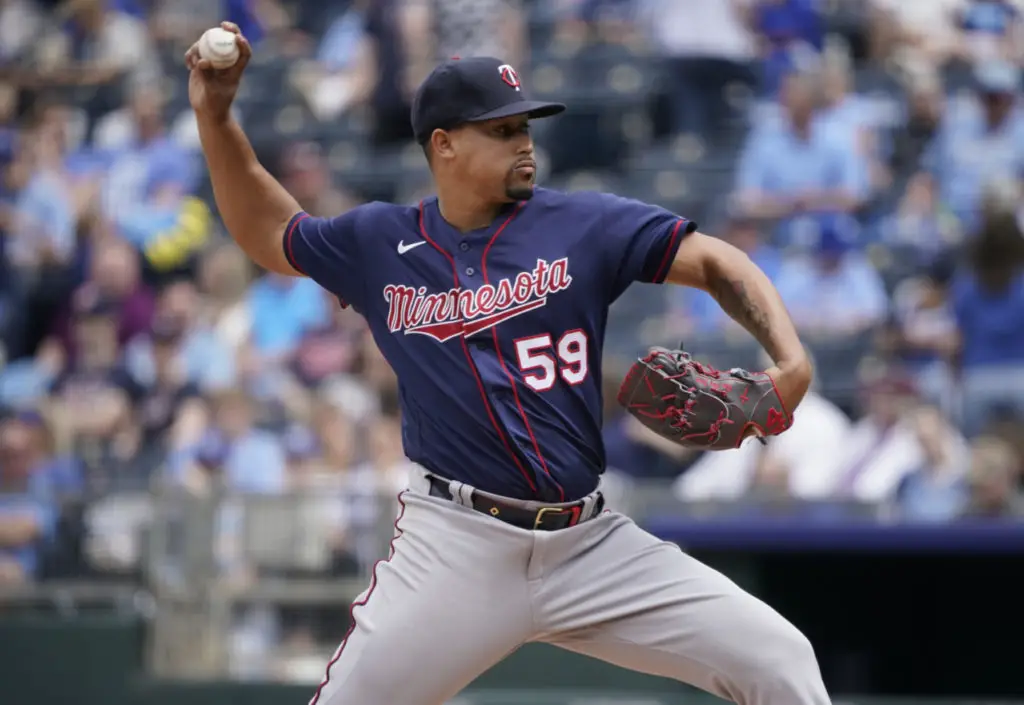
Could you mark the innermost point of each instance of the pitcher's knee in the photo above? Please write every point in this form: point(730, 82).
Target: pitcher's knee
point(786, 670)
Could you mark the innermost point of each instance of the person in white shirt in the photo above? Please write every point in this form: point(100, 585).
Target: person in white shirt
point(884, 446)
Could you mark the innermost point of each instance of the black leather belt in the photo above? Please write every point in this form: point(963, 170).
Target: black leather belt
point(543, 519)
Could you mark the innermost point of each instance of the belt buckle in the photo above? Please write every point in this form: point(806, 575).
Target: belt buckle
point(539, 518)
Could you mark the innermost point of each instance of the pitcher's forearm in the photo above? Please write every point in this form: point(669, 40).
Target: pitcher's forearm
point(255, 208)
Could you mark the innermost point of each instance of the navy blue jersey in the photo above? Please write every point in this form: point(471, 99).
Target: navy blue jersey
point(495, 335)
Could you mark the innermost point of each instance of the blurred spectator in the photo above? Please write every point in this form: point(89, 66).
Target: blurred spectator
point(916, 32)
point(922, 332)
point(349, 493)
point(318, 472)
point(387, 469)
point(170, 411)
point(374, 53)
point(283, 308)
point(937, 490)
point(694, 311)
point(93, 397)
point(883, 446)
point(306, 175)
point(180, 22)
point(42, 240)
point(374, 483)
point(46, 212)
point(994, 481)
point(91, 44)
point(834, 289)
point(791, 465)
point(988, 301)
point(921, 228)
point(139, 121)
point(854, 117)
point(370, 388)
point(925, 104)
point(325, 360)
point(345, 72)
point(148, 187)
point(991, 29)
point(235, 454)
point(576, 22)
point(20, 24)
point(205, 360)
point(980, 141)
point(223, 279)
point(27, 515)
point(701, 65)
point(797, 166)
point(790, 34)
point(475, 28)
point(113, 280)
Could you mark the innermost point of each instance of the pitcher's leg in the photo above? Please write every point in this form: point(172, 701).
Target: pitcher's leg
point(450, 603)
point(625, 597)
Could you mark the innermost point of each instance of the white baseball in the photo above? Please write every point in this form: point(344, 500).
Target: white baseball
point(218, 46)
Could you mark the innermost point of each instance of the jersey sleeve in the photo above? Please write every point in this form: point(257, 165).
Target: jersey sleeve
point(327, 251)
point(644, 239)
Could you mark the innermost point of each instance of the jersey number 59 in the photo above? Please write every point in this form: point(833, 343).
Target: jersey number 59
point(539, 366)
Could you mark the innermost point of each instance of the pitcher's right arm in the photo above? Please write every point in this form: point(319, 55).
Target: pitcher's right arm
point(256, 210)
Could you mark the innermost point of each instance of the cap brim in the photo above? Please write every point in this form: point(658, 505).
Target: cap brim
point(531, 108)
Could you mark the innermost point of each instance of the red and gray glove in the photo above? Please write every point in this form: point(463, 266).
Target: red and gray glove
point(698, 406)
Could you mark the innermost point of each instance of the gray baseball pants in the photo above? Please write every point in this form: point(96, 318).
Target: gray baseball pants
point(461, 590)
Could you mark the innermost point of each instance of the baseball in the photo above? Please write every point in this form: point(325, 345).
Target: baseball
point(219, 47)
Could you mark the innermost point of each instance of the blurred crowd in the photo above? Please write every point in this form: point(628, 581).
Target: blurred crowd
point(867, 154)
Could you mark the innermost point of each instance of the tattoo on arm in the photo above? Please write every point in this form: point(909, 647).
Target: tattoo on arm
point(732, 296)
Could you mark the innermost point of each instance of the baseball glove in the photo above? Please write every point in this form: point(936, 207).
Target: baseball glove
point(698, 406)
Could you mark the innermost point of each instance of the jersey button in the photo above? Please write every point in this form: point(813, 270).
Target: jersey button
point(464, 246)
point(470, 271)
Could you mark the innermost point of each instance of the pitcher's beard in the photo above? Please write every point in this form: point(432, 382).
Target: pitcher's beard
point(517, 190)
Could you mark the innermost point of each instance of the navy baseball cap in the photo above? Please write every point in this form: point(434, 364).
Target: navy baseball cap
point(473, 89)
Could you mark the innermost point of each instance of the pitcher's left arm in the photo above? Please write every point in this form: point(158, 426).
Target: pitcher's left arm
point(748, 296)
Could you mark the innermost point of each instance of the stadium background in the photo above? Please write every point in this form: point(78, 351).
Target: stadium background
point(197, 460)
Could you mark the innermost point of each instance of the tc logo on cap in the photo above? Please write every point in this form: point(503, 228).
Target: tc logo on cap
point(509, 75)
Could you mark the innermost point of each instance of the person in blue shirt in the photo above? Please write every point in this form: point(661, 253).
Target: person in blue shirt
point(283, 309)
point(979, 141)
point(28, 511)
point(234, 454)
point(988, 303)
point(797, 166)
point(834, 289)
point(937, 489)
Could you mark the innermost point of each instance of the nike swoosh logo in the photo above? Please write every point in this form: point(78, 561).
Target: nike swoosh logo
point(403, 248)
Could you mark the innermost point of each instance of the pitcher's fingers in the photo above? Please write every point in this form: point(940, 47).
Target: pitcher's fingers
point(192, 56)
point(230, 27)
point(244, 49)
point(204, 65)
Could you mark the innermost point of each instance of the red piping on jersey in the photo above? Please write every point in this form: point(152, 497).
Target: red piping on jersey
point(469, 358)
point(361, 603)
point(288, 242)
point(666, 261)
point(289, 253)
point(501, 360)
